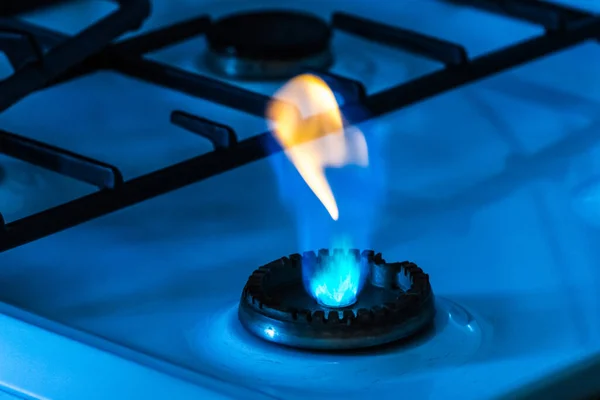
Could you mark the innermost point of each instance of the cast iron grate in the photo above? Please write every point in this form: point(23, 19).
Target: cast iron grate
point(42, 57)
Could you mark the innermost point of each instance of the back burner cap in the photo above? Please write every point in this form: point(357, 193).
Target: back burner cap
point(268, 45)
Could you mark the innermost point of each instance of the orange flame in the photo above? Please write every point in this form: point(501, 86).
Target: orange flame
point(297, 133)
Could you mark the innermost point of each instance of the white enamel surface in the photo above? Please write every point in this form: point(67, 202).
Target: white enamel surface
point(27, 348)
point(162, 277)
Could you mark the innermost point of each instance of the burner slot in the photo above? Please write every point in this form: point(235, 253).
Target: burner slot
point(33, 77)
point(551, 16)
point(61, 161)
point(417, 43)
point(20, 48)
point(385, 275)
point(157, 39)
point(351, 91)
point(221, 136)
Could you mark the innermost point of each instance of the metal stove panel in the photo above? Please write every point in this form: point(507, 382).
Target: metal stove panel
point(511, 258)
point(164, 293)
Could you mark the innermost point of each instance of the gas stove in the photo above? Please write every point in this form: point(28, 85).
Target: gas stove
point(141, 185)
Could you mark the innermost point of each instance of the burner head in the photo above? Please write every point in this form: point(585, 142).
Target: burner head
point(396, 302)
point(268, 45)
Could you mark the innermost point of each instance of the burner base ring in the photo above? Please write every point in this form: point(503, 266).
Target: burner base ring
point(396, 302)
point(304, 337)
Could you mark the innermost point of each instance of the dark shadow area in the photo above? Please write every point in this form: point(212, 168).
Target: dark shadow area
point(578, 382)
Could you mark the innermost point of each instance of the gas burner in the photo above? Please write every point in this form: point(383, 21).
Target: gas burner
point(395, 303)
point(268, 45)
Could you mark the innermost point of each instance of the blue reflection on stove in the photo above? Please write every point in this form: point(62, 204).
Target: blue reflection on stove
point(270, 332)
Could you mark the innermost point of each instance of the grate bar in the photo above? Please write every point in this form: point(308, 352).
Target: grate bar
point(45, 36)
point(20, 48)
point(350, 90)
point(194, 85)
point(205, 166)
point(23, 6)
point(61, 161)
point(413, 42)
point(35, 76)
point(155, 72)
point(160, 38)
point(176, 176)
point(221, 136)
point(485, 66)
point(551, 16)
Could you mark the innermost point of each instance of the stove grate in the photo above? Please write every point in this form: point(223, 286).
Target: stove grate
point(42, 68)
point(42, 58)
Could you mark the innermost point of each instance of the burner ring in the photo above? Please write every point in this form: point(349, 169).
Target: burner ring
point(268, 45)
point(396, 302)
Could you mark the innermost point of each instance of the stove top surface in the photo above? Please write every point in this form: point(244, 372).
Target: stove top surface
point(495, 187)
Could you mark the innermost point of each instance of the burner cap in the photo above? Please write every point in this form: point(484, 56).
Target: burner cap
point(268, 44)
point(395, 303)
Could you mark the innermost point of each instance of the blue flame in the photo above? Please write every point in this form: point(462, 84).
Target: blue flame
point(338, 282)
point(337, 279)
point(358, 192)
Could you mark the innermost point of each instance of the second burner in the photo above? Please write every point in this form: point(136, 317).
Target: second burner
point(268, 45)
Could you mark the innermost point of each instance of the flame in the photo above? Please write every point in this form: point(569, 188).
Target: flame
point(338, 280)
point(296, 129)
